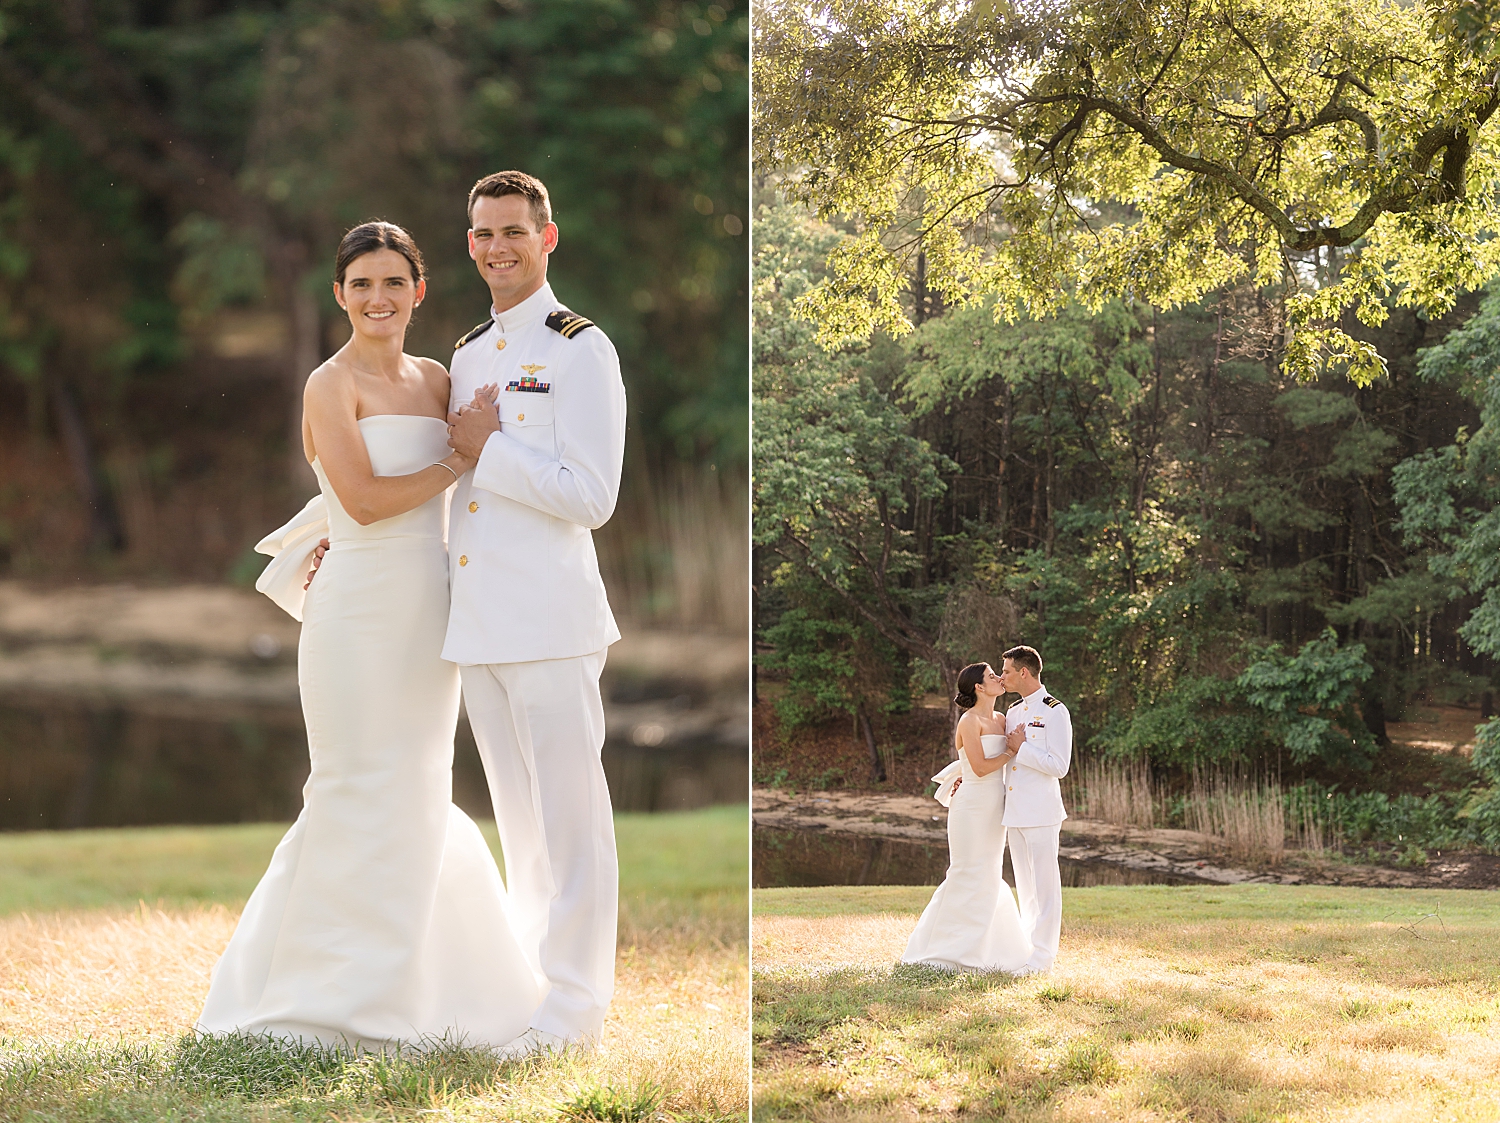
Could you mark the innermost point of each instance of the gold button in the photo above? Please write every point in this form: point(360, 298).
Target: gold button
point(499, 345)
point(463, 559)
point(520, 417)
point(473, 507)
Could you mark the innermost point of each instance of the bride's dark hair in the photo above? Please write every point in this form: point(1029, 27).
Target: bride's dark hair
point(370, 236)
point(968, 678)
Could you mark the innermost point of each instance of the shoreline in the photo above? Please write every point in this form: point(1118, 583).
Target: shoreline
point(1180, 853)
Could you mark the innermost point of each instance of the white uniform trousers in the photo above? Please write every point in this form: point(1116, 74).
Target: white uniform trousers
point(1033, 859)
point(540, 729)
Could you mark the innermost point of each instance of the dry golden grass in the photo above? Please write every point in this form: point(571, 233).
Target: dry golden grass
point(97, 991)
point(782, 941)
point(677, 1021)
point(107, 972)
point(1327, 1005)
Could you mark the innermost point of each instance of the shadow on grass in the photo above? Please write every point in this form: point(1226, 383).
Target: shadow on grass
point(857, 1043)
point(795, 1007)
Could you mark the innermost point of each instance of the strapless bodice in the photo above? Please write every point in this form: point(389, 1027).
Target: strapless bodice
point(398, 444)
point(993, 745)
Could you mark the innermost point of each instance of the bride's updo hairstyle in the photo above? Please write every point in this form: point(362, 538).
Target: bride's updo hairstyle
point(968, 678)
point(370, 236)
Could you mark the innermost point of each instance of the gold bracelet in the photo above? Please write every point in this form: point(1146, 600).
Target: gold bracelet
point(440, 464)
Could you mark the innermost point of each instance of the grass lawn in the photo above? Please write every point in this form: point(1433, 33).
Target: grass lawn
point(107, 939)
point(1167, 1003)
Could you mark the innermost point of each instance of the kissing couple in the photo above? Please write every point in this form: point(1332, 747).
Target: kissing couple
point(383, 920)
point(1003, 789)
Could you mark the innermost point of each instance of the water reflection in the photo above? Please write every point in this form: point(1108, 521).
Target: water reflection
point(68, 763)
point(812, 858)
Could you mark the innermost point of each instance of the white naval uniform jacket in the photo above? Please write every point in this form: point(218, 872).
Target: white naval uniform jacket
point(524, 576)
point(1033, 796)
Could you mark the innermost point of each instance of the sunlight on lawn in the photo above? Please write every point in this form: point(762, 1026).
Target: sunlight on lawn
point(1253, 1002)
point(93, 1003)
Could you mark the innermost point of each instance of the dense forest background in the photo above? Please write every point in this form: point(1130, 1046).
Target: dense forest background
point(174, 180)
point(1221, 565)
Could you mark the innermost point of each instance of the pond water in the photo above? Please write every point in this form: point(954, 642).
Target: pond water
point(812, 858)
point(67, 763)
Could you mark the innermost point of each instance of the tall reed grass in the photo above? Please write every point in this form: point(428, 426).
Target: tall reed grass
point(1246, 816)
point(1119, 792)
point(1252, 820)
point(676, 553)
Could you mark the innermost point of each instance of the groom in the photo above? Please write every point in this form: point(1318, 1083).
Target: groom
point(530, 624)
point(1039, 731)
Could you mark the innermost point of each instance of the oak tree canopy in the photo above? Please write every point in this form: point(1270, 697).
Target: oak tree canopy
point(1036, 151)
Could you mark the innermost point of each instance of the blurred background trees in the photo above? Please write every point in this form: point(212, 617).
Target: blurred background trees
point(175, 177)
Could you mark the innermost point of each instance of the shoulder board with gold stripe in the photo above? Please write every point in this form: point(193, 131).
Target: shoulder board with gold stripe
point(1051, 701)
point(568, 323)
point(473, 335)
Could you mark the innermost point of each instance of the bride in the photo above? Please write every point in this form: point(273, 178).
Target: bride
point(382, 918)
point(972, 922)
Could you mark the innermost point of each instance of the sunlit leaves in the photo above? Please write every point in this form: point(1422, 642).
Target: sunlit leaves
point(1148, 151)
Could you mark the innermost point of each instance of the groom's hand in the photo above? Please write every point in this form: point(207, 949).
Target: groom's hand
point(470, 428)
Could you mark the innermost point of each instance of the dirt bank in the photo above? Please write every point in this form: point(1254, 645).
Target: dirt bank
point(1177, 852)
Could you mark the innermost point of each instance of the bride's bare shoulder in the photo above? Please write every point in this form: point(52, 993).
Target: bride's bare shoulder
point(434, 377)
point(332, 381)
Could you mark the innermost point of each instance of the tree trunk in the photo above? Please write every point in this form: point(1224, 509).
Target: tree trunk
point(919, 290)
point(1051, 474)
point(104, 522)
point(877, 766)
point(1002, 492)
point(136, 504)
point(1210, 384)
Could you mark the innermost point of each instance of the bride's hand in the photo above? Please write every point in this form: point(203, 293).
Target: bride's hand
point(322, 548)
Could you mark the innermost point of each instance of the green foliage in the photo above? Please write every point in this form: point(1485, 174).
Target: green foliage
point(1309, 700)
point(1448, 820)
point(1141, 494)
point(835, 464)
point(814, 655)
point(219, 268)
point(1201, 719)
point(1450, 496)
point(1486, 758)
point(203, 157)
point(1153, 152)
point(1103, 354)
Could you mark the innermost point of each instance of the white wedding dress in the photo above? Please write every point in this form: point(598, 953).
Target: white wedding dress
point(382, 918)
point(972, 923)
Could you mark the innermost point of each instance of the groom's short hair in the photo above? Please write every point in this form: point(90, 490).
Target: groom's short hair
point(496, 185)
point(1025, 657)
